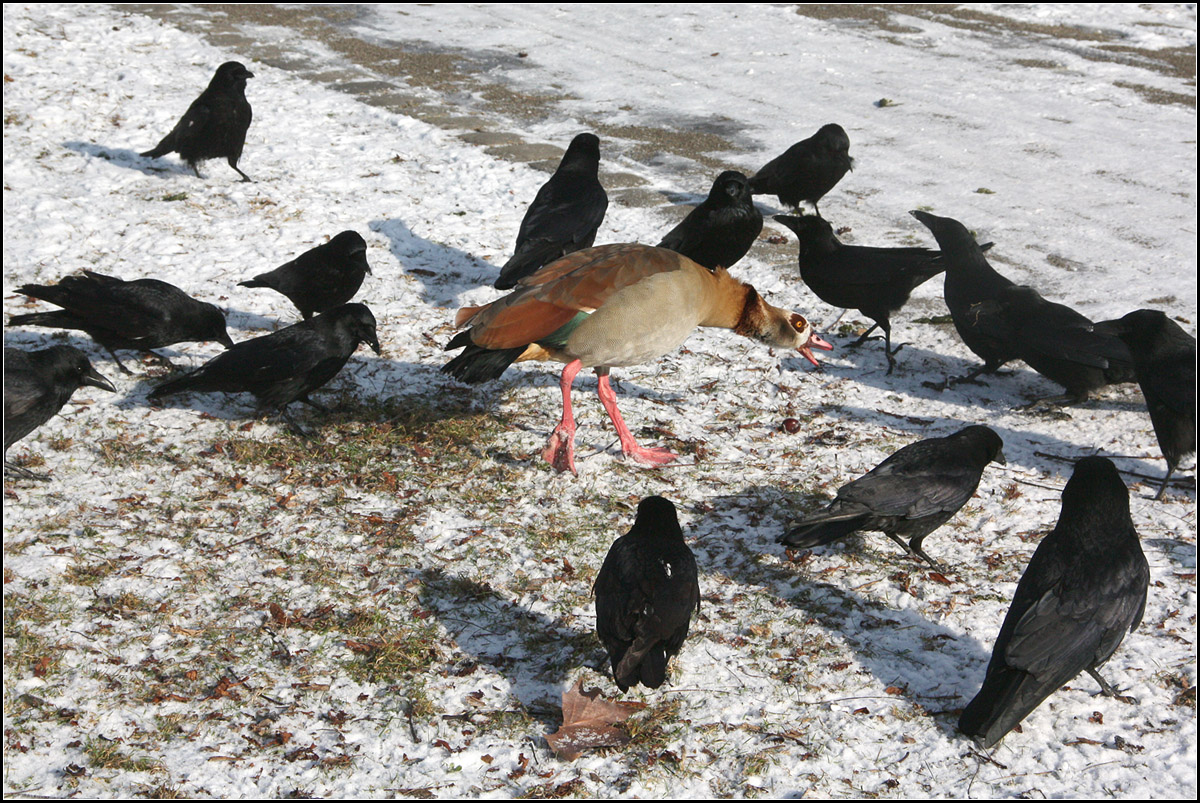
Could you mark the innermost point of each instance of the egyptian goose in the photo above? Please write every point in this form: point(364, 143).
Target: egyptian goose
point(614, 305)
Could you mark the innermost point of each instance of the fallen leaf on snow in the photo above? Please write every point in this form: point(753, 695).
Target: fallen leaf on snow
point(589, 721)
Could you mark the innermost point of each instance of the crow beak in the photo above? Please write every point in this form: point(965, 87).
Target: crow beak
point(94, 379)
point(225, 341)
point(1000, 458)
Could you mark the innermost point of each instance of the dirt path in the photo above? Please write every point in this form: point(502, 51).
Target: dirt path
point(462, 90)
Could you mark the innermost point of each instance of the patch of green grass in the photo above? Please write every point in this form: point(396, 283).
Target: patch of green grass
point(387, 651)
point(167, 726)
point(88, 575)
point(658, 725)
point(164, 791)
point(387, 446)
point(123, 451)
point(105, 754)
point(27, 652)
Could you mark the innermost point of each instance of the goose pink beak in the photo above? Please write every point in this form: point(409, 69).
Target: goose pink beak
point(814, 342)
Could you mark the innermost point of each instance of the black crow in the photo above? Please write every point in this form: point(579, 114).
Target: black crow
point(874, 281)
point(1164, 360)
point(807, 170)
point(1002, 321)
point(36, 386)
point(284, 366)
point(1084, 589)
point(908, 495)
point(141, 315)
point(321, 278)
point(215, 125)
point(646, 592)
point(565, 215)
point(719, 231)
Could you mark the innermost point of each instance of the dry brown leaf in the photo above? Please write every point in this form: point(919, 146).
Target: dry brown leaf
point(589, 721)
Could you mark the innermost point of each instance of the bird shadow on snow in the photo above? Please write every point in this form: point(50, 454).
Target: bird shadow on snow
point(100, 359)
point(997, 397)
point(355, 394)
point(131, 160)
point(1023, 448)
point(445, 273)
point(254, 325)
point(1016, 384)
point(536, 652)
point(933, 666)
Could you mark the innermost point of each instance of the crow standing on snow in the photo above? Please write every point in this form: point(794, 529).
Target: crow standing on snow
point(646, 592)
point(874, 281)
point(36, 386)
point(215, 125)
point(564, 216)
point(321, 278)
point(807, 170)
point(140, 315)
point(719, 231)
point(1002, 321)
point(908, 495)
point(287, 365)
point(1164, 360)
point(1084, 589)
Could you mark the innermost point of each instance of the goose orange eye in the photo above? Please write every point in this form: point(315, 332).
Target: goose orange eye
point(799, 323)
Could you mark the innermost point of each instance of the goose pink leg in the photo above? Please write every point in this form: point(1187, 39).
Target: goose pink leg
point(560, 449)
point(638, 454)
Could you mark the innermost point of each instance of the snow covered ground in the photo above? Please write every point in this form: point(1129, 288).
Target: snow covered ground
point(199, 603)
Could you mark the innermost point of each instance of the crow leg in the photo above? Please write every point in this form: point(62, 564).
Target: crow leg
point(163, 359)
point(313, 404)
point(914, 547)
point(865, 337)
point(240, 173)
point(296, 428)
point(969, 379)
point(1166, 480)
point(1107, 690)
point(117, 360)
point(23, 473)
point(888, 351)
